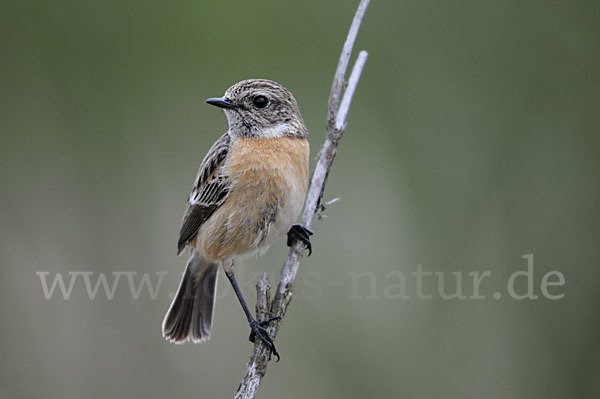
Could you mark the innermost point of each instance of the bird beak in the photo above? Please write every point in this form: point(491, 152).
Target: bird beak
point(220, 102)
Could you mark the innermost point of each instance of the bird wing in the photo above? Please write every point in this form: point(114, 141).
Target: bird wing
point(209, 192)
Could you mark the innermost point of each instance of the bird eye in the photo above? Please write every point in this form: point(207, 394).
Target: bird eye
point(260, 101)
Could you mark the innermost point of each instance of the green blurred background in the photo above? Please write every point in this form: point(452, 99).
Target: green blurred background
point(472, 141)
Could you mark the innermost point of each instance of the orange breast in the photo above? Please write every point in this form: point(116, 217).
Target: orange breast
point(268, 178)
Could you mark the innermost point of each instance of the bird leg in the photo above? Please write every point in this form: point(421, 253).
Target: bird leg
point(257, 329)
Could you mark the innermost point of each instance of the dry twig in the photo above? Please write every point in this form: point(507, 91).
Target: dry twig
point(336, 123)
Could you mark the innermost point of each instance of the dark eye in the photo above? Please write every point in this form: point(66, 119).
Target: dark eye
point(260, 101)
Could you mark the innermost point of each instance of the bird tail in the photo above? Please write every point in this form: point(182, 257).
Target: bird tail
point(190, 315)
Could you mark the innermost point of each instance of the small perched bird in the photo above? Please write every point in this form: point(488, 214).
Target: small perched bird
point(249, 190)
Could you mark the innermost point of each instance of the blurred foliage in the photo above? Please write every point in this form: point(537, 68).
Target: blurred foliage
point(472, 140)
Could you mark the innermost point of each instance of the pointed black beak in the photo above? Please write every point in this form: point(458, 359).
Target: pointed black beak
point(220, 102)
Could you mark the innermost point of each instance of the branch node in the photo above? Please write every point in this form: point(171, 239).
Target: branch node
point(321, 208)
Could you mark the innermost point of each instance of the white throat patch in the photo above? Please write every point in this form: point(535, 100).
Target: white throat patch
point(275, 131)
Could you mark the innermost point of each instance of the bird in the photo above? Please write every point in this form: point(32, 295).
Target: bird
point(248, 192)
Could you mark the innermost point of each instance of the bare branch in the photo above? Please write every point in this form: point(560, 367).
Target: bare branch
point(336, 123)
point(333, 135)
point(256, 371)
point(340, 72)
point(340, 120)
point(263, 300)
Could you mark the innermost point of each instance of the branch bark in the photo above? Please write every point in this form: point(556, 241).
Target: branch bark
point(336, 124)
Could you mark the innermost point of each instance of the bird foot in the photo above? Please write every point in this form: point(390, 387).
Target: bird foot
point(259, 329)
point(301, 233)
